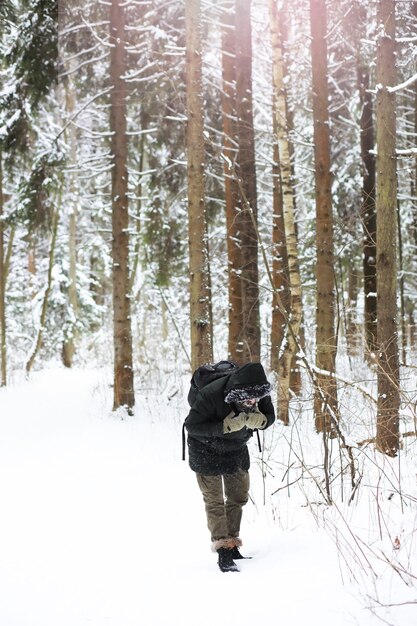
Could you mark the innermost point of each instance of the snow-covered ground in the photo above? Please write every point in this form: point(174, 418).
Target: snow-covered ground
point(102, 523)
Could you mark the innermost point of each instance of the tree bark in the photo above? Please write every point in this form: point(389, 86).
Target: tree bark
point(412, 313)
point(387, 436)
point(200, 300)
point(401, 285)
point(250, 338)
point(326, 342)
point(353, 332)
point(230, 144)
point(281, 282)
point(68, 348)
point(39, 336)
point(124, 395)
point(295, 309)
point(368, 211)
point(140, 191)
point(3, 350)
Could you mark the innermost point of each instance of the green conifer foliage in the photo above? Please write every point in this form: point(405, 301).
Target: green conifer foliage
point(31, 66)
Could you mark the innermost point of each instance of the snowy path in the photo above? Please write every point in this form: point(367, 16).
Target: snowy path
point(102, 524)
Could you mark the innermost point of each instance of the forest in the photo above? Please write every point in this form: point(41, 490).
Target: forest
point(187, 181)
point(193, 181)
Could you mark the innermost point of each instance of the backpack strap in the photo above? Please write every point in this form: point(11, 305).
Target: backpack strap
point(183, 441)
point(259, 441)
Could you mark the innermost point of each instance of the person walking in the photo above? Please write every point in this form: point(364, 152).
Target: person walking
point(221, 421)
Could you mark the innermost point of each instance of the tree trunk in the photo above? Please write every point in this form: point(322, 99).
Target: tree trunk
point(281, 282)
point(295, 381)
point(140, 191)
point(353, 333)
point(250, 338)
point(387, 436)
point(200, 300)
point(32, 265)
point(124, 395)
point(412, 314)
point(368, 211)
point(326, 343)
point(3, 351)
point(45, 302)
point(403, 323)
point(68, 348)
point(230, 143)
point(294, 319)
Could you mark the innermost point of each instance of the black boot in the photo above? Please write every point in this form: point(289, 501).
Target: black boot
point(236, 554)
point(226, 562)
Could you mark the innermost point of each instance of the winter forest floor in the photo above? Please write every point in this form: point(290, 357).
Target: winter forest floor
point(102, 523)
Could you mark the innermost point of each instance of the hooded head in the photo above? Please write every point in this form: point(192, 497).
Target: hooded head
point(248, 383)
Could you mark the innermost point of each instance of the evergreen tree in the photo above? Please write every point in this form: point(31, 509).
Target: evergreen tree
point(200, 301)
point(250, 337)
point(124, 395)
point(387, 436)
point(295, 309)
point(326, 395)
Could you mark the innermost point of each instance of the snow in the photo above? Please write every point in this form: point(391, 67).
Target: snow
point(102, 523)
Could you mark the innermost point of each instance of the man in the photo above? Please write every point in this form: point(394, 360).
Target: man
point(221, 421)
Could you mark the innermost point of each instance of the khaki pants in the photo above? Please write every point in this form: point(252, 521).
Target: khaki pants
point(224, 508)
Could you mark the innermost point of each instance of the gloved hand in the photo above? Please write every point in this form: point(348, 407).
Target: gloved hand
point(255, 420)
point(231, 423)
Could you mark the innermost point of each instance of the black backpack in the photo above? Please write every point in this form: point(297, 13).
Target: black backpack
point(206, 373)
point(201, 377)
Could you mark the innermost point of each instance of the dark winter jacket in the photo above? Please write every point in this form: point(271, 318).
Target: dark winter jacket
point(210, 451)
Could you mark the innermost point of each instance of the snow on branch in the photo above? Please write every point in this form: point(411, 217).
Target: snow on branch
point(407, 152)
point(87, 62)
point(406, 83)
point(398, 152)
point(406, 39)
point(77, 113)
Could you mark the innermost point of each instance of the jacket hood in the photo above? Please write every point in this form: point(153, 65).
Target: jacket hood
point(248, 382)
